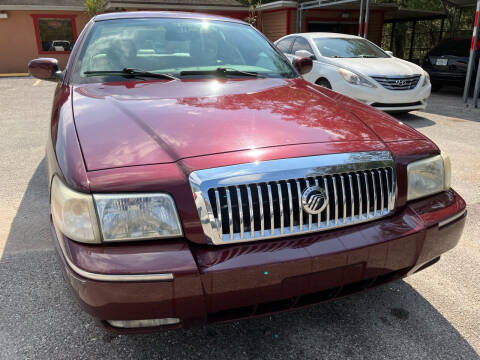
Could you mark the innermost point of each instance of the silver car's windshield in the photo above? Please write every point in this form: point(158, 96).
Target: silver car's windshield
point(177, 47)
point(348, 48)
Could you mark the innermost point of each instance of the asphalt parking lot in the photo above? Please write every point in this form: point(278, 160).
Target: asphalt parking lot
point(433, 314)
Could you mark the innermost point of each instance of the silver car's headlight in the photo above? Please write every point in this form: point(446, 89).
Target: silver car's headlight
point(121, 217)
point(428, 176)
point(137, 216)
point(355, 79)
point(73, 213)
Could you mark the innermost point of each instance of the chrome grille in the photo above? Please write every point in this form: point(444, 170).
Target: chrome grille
point(264, 200)
point(397, 82)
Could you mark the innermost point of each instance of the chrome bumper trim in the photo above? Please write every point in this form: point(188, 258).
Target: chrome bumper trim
point(452, 218)
point(108, 277)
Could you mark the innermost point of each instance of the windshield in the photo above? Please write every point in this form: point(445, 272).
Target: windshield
point(348, 48)
point(176, 47)
point(452, 47)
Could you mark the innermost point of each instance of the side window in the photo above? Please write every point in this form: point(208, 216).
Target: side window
point(301, 44)
point(285, 45)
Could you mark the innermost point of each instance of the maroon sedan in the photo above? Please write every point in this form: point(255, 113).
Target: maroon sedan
point(196, 177)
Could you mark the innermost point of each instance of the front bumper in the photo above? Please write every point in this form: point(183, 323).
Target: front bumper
point(401, 107)
point(451, 77)
point(219, 283)
point(387, 100)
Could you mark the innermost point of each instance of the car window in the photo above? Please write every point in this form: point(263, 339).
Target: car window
point(458, 47)
point(301, 44)
point(173, 46)
point(285, 45)
point(348, 48)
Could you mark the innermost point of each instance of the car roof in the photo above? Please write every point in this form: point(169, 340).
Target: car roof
point(315, 35)
point(163, 14)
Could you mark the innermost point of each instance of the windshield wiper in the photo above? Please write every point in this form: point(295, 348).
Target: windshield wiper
point(221, 71)
point(365, 56)
point(130, 72)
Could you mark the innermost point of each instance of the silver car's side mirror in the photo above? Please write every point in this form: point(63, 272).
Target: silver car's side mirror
point(304, 53)
point(389, 52)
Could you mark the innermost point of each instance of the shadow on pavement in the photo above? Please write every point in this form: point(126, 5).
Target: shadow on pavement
point(30, 228)
point(449, 102)
point(414, 120)
point(40, 318)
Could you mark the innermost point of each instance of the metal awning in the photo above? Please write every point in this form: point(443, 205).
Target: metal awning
point(363, 5)
point(392, 12)
point(462, 3)
point(405, 14)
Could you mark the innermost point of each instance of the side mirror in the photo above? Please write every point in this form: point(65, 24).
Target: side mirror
point(304, 53)
point(303, 65)
point(45, 69)
point(389, 52)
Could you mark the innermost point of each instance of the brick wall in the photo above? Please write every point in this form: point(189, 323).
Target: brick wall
point(274, 23)
point(18, 44)
point(335, 16)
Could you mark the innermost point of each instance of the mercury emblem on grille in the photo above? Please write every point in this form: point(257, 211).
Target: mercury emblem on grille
point(314, 200)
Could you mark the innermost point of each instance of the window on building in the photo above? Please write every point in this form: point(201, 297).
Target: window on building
point(54, 34)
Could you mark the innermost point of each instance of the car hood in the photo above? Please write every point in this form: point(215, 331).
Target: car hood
point(140, 123)
point(379, 66)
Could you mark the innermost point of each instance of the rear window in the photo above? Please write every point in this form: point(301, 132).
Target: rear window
point(459, 47)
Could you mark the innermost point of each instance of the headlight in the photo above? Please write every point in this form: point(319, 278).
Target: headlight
point(428, 176)
point(120, 216)
point(137, 216)
point(355, 79)
point(427, 79)
point(73, 213)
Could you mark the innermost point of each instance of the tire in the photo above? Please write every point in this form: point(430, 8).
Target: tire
point(323, 82)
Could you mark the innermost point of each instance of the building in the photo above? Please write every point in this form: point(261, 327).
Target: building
point(280, 18)
point(49, 28)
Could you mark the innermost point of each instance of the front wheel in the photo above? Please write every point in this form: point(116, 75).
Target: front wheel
point(323, 82)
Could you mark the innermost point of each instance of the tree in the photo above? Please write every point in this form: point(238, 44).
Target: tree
point(94, 7)
point(252, 11)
